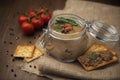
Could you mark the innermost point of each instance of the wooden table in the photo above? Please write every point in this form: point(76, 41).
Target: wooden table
point(11, 36)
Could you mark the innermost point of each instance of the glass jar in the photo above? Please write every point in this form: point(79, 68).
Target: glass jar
point(67, 47)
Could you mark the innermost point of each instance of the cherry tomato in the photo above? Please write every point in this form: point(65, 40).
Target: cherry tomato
point(37, 22)
point(31, 12)
point(22, 18)
point(41, 9)
point(46, 16)
point(27, 28)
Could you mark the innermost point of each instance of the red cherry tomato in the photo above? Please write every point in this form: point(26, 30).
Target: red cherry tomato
point(22, 18)
point(27, 28)
point(46, 17)
point(37, 22)
point(31, 12)
point(40, 9)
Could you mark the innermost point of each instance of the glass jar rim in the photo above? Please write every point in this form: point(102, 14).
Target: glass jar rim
point(79, 20)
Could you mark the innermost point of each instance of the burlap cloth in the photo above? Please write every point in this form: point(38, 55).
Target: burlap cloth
point(56, 70)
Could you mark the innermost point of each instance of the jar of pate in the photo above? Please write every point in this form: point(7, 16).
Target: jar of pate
point(69, 36)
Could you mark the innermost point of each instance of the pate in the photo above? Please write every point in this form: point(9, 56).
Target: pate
point(66, 44)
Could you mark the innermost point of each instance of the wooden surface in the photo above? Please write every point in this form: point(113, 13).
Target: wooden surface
point(11, 35)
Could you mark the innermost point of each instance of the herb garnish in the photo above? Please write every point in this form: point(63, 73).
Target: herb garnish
point(93, 56)
point(62, 20)
point(57, 27)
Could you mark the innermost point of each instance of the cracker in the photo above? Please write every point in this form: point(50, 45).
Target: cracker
point(97, 48)
point(24, 51)
point(36, 54)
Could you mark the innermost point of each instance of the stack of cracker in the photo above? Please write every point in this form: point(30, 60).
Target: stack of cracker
point(28, 52)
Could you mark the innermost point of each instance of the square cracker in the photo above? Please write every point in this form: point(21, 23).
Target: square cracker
point(36, 54)
point(24, 51)
point(97, 48)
